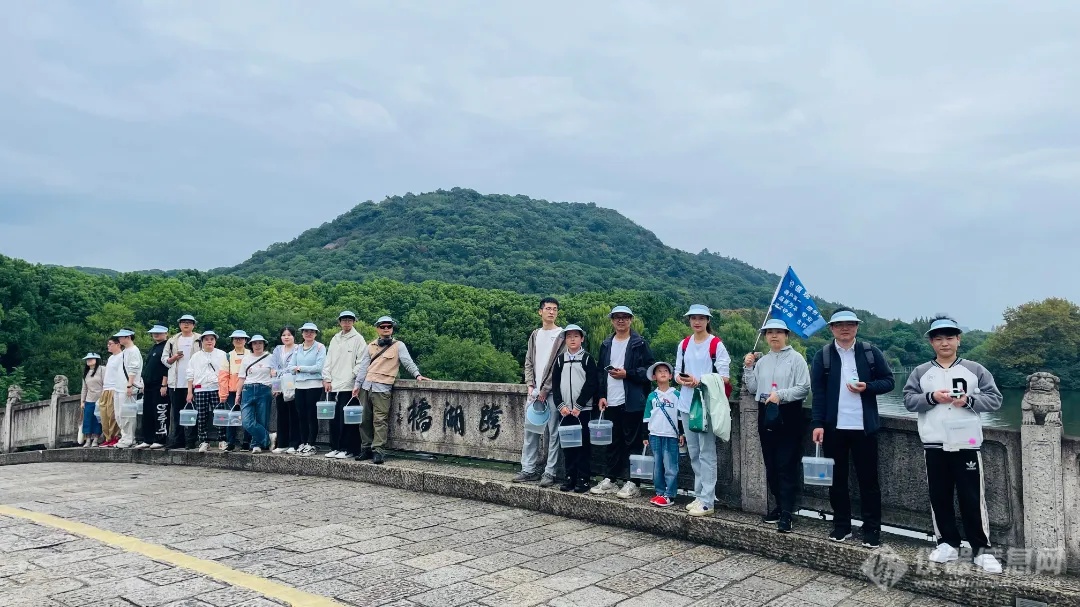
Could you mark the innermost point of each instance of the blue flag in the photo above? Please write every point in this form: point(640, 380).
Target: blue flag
point(792, 304)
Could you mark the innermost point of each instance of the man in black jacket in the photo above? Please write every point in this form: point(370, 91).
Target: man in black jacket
point(845, 418)
point(624, 360)
point(155, 412)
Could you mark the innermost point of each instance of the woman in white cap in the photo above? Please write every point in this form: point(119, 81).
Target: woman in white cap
point(233, 435)
point(127, 390)
point(177, 354)
point(309, 386)
point(780, 381)
point(113, 380)
point(93, 376)
point(287, 437)
point(154, 429)
point(207, 382)
point(697, 355)
point(254, 393)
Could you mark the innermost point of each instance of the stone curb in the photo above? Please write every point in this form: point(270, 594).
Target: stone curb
point(732, 530)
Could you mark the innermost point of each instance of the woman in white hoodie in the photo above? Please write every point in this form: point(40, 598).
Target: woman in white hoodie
point(207, 383)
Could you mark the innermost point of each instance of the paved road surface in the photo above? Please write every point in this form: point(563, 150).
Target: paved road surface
point(355, 543)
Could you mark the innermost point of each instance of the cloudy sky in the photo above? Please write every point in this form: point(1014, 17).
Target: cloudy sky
point(908, 160)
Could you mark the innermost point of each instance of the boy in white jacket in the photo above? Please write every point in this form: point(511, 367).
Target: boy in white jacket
point(948, 393)
point(338, 375)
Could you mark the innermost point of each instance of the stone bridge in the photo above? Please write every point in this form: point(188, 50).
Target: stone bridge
point(474, 431)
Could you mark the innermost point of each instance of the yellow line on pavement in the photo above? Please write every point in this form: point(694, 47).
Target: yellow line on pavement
point(274, 590)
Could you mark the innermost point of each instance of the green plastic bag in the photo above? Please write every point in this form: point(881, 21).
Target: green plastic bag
point(698, 418)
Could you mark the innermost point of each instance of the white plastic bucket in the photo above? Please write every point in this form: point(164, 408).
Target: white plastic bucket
point(641, 466)
point(188, 417)
point(129, 410)
point(963, 430)
point(570, 436)
point(600, 431)
point(221, 417)
point(324, 409)
point(818, 470)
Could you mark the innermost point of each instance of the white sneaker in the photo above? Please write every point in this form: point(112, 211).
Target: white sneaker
point(700, 509)
point(122, 445)
point(332, 454)
point(693, 504)
point(279, 450)
point(988, 563)
point(273, 443)
point(141, 446)
point(157, 446)
point(628, 491)
point(343, 455)
point(291, 451)
point(221, 445)
point(305, 452)
point(944, 553)
point(604, 486)
point(95, 443)
point(204, 447)
point(256, 449)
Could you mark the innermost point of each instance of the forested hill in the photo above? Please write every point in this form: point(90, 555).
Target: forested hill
point(506, 242)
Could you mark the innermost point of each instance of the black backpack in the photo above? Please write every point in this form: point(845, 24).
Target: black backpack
point(867, 350)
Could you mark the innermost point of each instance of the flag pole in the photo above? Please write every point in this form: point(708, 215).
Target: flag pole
point(769, 309)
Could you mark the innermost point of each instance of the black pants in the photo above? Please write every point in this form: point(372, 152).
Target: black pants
point(180, 437)
point(576, 459)
point(155, 415)
point(847, 446)
point(308, 416)
point(235, 435)
point(343, 437)
point(288, 424)
point(959, 474)
point(781, 449)
point(626, 437)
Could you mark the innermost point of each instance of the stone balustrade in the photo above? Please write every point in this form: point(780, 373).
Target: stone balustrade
point(1032, 476)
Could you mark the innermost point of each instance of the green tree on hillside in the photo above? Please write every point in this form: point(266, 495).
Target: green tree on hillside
point(1037, 336)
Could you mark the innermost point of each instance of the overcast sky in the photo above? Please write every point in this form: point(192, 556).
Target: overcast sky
point(908, 158)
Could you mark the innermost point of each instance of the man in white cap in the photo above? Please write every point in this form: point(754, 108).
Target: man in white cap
point(131, 366)
point(154, 430)
point(380, 362)
point(178, 351)
point(545, 346)
point(625, 359)
point(338, 376)
point(846, 378)
point(949, 393)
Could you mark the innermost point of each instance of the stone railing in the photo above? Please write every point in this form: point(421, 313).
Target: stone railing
point(1032, 476)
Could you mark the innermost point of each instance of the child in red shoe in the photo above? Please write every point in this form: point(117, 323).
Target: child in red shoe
point(665, 434)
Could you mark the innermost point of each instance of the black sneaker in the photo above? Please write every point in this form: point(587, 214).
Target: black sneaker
point(839, 535)
point(365, 454)
point(230, 448)
point(526, 477)
point(566, 486)
point(772, 517)
point(581, 488)
point(871, 538)
point(784, 524)
point(377, 457)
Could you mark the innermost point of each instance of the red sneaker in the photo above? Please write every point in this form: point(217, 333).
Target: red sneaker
point(656, 500)
point(662, 501)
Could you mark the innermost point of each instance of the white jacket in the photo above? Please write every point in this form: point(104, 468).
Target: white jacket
point(343, 360)
point(205, 369)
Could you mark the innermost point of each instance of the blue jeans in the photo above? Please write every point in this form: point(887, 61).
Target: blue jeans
point(255, 412)
point(90, 424)
point(665, 464)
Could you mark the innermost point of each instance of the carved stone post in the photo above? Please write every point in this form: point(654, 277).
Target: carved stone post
point(1040, 440)
point(755, 490)
point(60, 390)
point(14, 397)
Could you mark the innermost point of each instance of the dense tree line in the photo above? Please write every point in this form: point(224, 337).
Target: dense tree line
point(50, 317)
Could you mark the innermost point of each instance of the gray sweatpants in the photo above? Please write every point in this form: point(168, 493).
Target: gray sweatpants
point(530, 450)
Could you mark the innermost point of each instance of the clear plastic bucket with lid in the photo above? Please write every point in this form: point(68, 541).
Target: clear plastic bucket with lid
point(324, 409)
point(570, 436)
point(600, 431)
point(963, 430)
point(130, 409)
point(235, 418)
point(818, 470)
point(188, 417)
point(353, 411)
point(221, 417)
point(641, 466)
point(275, 385)
point(536, 417)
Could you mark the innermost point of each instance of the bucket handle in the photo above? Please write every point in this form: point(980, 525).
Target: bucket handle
point(351, 400)
point(188, 404)
point(235, 407)
point(817, 451)
point(643, 450)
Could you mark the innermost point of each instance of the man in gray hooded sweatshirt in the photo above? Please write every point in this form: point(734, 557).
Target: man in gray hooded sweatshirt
point(780, 381)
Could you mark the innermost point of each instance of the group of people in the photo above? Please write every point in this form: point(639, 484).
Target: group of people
point(656, 404)
point(186, 371)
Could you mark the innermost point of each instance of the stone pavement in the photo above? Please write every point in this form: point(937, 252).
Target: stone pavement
point(363, 545)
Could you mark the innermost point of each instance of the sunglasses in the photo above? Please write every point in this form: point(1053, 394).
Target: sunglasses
point(621, 317)
point(384, 326)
